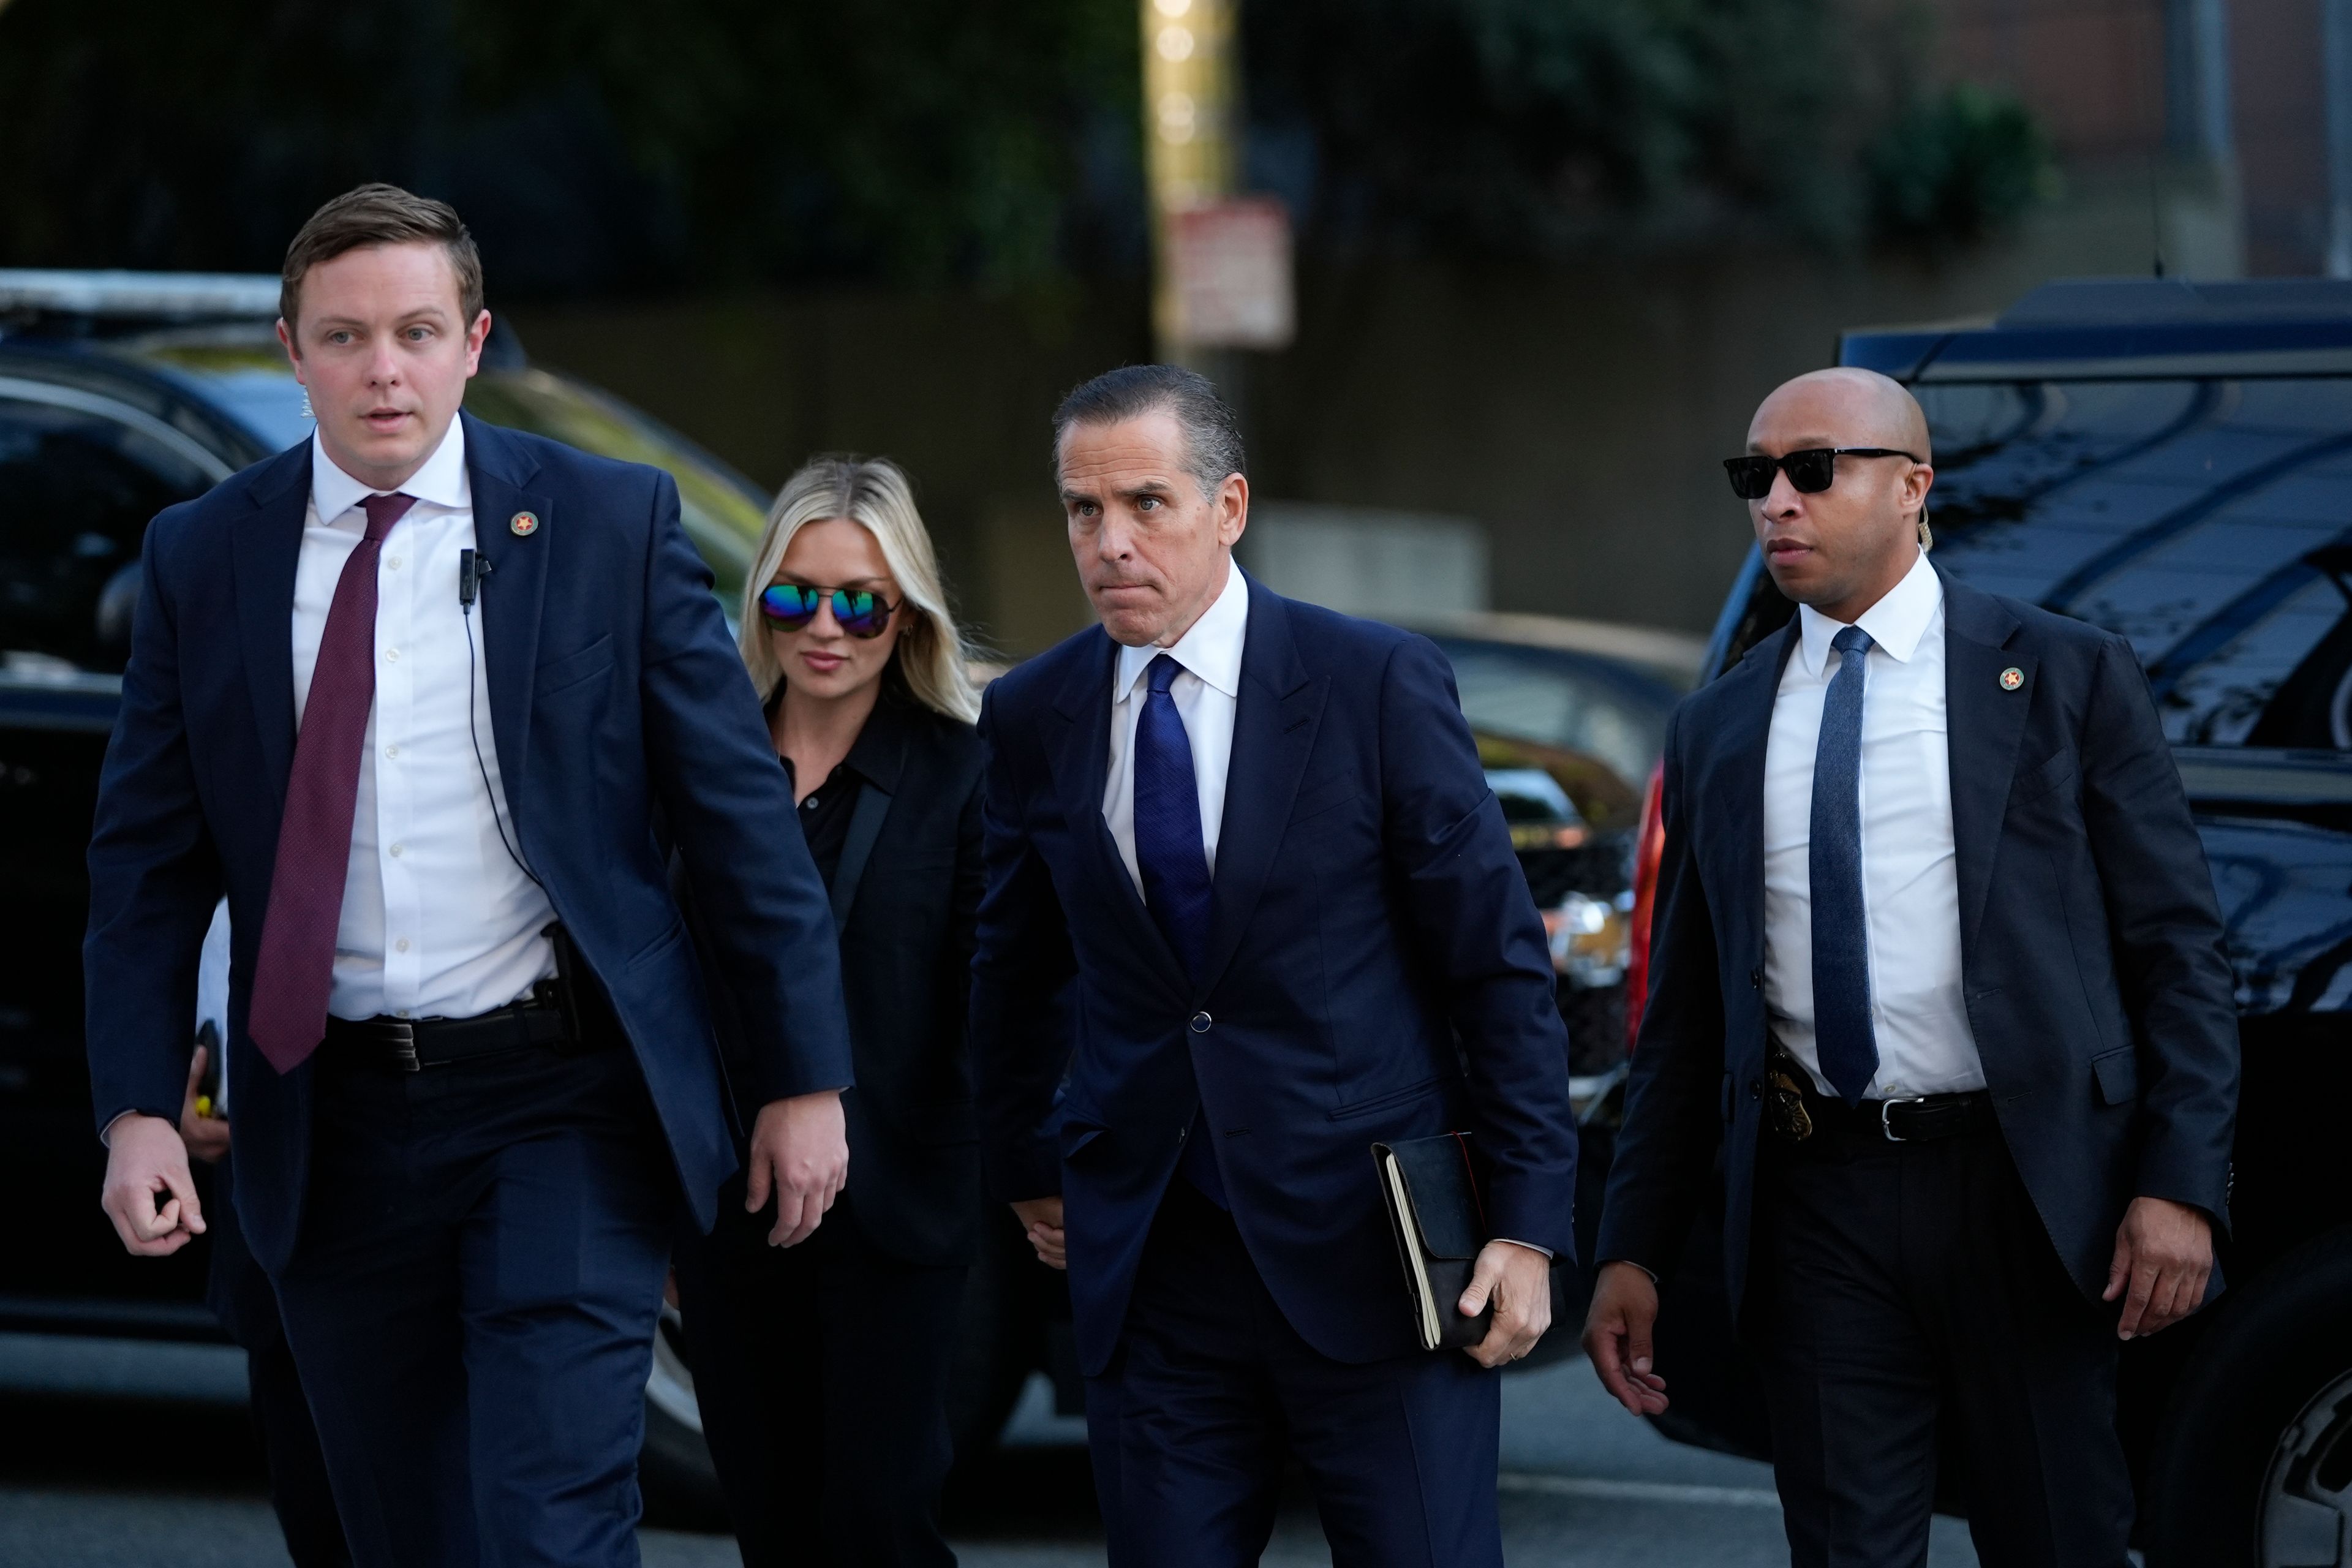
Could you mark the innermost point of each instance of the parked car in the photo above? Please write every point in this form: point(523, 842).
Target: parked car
point(123, 393)
point(2172, 461)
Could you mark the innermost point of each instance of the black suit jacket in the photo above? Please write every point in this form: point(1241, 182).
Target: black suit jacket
point(2092, 966)
point(905, 968)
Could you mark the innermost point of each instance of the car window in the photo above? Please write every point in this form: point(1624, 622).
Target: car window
point(2207, 521)
point(721, 513)
point(76, 491)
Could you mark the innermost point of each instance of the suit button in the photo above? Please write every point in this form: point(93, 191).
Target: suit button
point(1201, 1022)
point(1755, 1088)
point(1755, 978)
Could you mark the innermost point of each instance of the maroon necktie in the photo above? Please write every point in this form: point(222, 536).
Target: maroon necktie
point(297, 968)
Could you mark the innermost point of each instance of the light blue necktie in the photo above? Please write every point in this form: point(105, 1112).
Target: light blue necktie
point(1843, 1036)
point(1172, 854)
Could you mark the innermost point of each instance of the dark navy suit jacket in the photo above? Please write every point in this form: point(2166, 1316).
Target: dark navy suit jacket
point(1376, 971)
point(615, 691)
point(2090, 956)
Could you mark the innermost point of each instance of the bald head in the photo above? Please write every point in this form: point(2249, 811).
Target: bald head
point(1841, 406)
point(1841, 549)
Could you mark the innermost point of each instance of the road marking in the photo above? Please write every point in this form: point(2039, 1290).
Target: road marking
point(1595, 1490)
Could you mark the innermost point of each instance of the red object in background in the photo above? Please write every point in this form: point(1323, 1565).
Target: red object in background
point(1648, 849)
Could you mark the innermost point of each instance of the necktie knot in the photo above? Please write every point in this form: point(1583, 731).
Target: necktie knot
point(1852, 639)
point(383, 511)
point(1163, 674)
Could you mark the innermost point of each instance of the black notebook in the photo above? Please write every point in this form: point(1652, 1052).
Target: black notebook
point(1435, 1212)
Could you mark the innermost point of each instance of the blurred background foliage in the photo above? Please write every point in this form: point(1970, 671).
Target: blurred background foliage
point(601, 146)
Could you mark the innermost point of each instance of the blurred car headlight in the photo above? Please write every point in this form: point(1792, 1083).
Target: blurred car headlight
point(1590, 939)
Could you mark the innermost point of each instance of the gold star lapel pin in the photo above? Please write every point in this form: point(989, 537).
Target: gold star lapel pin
point(2010, 678)
point(523, 525)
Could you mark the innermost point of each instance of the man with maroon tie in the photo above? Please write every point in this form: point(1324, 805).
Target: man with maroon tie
point(416, 696)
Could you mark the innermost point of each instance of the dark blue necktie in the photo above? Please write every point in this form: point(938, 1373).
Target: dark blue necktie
point(1843, 1036)
point(1170, 853)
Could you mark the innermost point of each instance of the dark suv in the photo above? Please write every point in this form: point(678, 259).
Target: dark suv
point(2174, 462)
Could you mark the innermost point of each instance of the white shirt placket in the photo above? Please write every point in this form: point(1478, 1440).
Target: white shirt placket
point(396, 664)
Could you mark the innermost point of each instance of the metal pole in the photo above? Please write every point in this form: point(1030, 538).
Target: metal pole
point(2197, 80)
point(1188, 137)
point(2336, 67)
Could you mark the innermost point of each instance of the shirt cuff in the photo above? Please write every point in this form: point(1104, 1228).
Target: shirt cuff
point(1530, 1246)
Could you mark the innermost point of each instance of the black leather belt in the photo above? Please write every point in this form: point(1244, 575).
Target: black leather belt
point(413, 1045)
point(1795, 1113)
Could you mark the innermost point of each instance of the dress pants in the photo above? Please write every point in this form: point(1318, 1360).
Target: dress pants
point(1212, 1388)
point(1898, 1285)
point(472, 1303)
point(822, 1371)
point(246, 1303)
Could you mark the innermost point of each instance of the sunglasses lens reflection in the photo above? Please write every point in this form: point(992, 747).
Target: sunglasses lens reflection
point(791, 606)
point(1751, 478)
point(788, 604)
point(1810, 471)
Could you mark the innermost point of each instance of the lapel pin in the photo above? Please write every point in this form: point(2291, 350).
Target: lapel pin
point(525, 524)
point(2010, 678)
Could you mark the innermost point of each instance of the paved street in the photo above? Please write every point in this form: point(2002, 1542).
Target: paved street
point(117, 1456)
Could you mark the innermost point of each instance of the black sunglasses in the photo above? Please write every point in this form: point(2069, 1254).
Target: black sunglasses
point(858, 612)
point(1809, 471)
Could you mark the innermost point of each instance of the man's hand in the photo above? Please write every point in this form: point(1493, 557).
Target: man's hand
point(1041, 1218)
point(1617, 1337)
point(144, 1161)
point(206, 1137)
point(2164, 1254)
point(1519, 1281)
point(801, 1152)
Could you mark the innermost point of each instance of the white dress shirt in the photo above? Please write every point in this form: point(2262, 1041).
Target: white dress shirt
point(1909, 879)
point(437, 922)
point(1206, 691)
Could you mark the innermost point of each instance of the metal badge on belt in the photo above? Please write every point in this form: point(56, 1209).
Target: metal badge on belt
point(1784, 1101)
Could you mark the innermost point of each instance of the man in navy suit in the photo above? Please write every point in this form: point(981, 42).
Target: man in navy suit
point(415, 695)
point(1936, 963)
point(1251, 908)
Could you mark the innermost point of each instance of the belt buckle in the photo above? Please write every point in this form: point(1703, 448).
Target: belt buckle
point(1886, 1116)
point(404, 1044)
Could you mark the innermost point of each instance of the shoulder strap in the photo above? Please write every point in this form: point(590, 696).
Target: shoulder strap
point(864, 828)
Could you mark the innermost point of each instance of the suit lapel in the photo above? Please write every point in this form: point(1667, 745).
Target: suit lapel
point(267, 549)
point(1984, 720)
point(1736, 789)
point(1276, 719)
point(499, 471)
point(1079, 756)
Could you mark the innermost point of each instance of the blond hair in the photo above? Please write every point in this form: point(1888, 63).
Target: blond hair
point(873, 493)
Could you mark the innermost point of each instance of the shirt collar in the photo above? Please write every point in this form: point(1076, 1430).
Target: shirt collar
point(443, 480)
point(1211, 649)
point(1896, 624)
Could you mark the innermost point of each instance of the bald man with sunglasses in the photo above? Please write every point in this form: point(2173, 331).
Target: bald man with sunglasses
point(1937, 962)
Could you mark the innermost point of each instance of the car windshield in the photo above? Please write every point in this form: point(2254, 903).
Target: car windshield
point(1593, 723)
point(2203, 520)
point(722, 513)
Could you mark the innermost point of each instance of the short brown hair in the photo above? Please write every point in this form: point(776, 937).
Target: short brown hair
point(379, 214)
